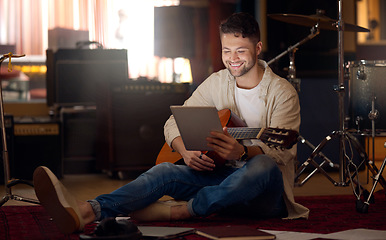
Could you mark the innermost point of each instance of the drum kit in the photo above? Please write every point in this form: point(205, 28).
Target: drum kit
point(365, 102)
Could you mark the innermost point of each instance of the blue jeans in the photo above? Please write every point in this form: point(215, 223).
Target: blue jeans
point(255, 189)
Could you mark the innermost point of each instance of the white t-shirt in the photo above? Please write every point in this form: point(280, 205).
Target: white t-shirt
point(251, 108)
point(250, 104)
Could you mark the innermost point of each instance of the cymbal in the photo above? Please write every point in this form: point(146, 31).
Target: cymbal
point(311, 20)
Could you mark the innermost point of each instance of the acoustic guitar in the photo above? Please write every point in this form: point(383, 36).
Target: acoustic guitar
point(273, 137)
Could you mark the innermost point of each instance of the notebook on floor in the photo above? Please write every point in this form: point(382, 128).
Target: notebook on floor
point(149, 232)
point(240, 232)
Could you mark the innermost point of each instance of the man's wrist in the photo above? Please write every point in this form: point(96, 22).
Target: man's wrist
point(244, 154)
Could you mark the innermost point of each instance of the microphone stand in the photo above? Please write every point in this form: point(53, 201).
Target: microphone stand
point(7, 176)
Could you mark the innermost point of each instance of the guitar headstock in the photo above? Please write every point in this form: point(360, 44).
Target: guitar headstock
point(278, 137)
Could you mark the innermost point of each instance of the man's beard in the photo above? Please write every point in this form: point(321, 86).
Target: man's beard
point(242, 72)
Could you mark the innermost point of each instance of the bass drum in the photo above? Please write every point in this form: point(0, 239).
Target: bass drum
point(367, 83)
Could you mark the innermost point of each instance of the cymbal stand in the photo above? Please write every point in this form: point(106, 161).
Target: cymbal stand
point(340, 90)
point(314, 33)
point(345, 162)
point(343, 136)
point(7, 181)
point(344, 168)
point(318, 167)
point(347, 148)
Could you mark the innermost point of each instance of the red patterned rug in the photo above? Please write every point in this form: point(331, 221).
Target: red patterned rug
point(328, 214)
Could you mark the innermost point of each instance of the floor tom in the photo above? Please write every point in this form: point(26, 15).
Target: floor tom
point(367, 84)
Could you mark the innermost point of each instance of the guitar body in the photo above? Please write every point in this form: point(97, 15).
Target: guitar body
point(227, 119)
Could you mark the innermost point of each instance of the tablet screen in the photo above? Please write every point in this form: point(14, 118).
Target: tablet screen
point(195, 124)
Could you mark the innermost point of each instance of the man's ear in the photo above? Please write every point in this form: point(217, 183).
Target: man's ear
point(259, 48)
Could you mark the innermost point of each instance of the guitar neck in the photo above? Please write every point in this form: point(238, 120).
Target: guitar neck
point(240, 133)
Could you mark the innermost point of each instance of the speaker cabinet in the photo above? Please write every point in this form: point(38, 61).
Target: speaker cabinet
point(130, 124)
point(76, 76)
point(37, 143)
point(78, 139)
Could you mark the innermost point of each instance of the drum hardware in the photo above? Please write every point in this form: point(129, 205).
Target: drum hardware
point(318, 167)
point(361, 73)
point(366, 89)
point(345, 162)
point(291, 77)
point(8, 182)
point(373, 115)
point(291, 51)
point(316, 22)
point(292, 68)
point(314, 32)
point(323, 21)
point(358, 121)
point(363, 206)
point(366, 98)
point(347, 142)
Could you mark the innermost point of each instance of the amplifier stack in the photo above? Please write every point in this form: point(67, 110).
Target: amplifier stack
point(36, 142)
point(130, 124)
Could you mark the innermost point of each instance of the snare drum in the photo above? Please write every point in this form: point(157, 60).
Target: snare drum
point(367, 83)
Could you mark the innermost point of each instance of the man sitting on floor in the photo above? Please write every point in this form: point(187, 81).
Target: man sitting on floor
point(256, 181)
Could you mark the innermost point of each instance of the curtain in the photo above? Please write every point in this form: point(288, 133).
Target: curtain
point(25, 24)
point(21, 25)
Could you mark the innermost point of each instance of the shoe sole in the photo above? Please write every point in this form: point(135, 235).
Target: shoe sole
point(55, 199)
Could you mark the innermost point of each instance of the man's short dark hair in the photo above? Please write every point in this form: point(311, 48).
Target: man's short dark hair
point(242, 23)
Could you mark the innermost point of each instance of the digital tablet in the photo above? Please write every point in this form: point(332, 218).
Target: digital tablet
point(195, 124)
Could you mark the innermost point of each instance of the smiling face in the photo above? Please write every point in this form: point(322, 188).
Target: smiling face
point(239, 54)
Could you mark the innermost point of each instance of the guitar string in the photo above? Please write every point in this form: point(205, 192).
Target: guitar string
point(244, 133)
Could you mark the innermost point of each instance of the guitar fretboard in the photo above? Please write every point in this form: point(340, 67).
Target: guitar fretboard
point(244, 132)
